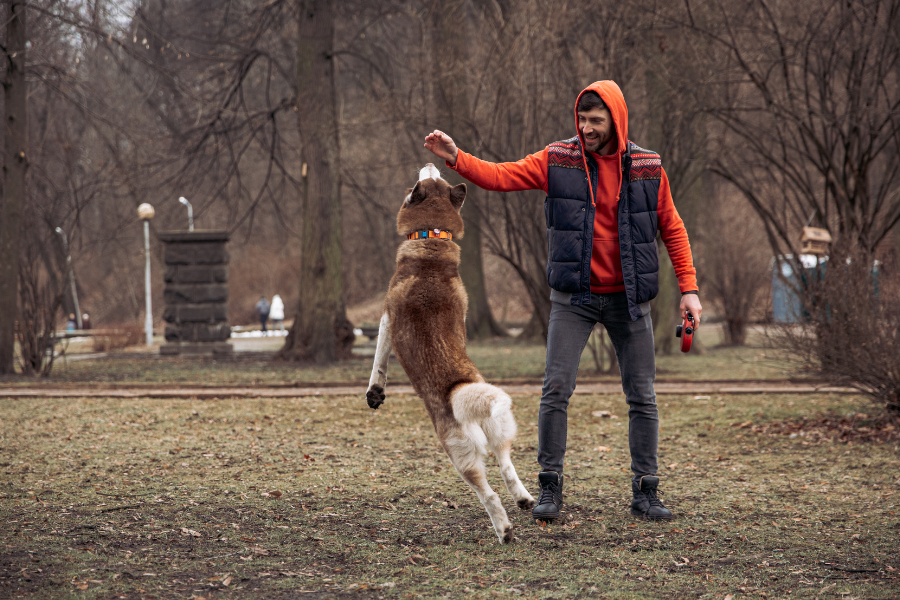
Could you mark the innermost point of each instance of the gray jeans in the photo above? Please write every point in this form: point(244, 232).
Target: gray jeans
point(570, 327)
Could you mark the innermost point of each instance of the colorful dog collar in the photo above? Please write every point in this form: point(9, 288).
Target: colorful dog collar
point(430, 233)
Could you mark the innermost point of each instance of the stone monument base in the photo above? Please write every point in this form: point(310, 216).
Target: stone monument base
point(197, 349)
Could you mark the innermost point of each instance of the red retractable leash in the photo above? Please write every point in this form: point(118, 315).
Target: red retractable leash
point(686, 332)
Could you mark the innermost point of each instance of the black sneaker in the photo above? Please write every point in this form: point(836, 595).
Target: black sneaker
point(644, 502)
point(550, 498)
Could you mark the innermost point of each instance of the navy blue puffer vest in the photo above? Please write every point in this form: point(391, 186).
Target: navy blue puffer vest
point(570, 223)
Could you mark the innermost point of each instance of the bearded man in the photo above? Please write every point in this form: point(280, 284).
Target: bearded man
point(606, 200)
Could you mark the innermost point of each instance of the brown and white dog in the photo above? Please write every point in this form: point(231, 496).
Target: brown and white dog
point(424, 323)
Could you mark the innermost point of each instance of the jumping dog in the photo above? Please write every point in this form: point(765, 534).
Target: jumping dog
point(424, 324)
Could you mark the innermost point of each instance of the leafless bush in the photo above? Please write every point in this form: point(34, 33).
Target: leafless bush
point(116, 337)
point(39, 301)
point(603, 351)
point(735, 263)
point(851, 333)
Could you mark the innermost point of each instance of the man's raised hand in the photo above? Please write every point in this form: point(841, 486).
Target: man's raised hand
point(442, 146)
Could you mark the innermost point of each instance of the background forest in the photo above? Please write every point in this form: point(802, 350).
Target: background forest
point(297, 125)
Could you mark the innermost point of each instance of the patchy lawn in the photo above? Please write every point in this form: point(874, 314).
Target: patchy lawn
point(166, 498)
point(499, 360)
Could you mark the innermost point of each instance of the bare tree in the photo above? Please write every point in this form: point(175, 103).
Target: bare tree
point(808, 101)
point(735, 260)
point(15, 168)
point(321, 331)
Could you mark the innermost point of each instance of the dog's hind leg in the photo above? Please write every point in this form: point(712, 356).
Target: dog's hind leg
point(500, 430)
point(375, 392)
point(467, 455)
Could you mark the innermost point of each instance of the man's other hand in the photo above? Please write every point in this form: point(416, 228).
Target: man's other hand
point(691, 304)
point(442, 146)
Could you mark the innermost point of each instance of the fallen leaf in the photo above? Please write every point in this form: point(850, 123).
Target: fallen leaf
point(673, 465)
point(259, 550)
point(275, 494)
point(227, 581)
point(602, 449)
point(604, 414)
point(191, 532)
point(728, 597)
point(416, 559)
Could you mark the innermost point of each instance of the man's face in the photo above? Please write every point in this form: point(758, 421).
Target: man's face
point(596, 126)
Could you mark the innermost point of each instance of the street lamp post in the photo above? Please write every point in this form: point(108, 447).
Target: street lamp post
point(145, 213)
point(190, 208)
point(71, 276)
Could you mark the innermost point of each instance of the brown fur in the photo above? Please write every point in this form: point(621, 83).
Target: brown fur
point(425, 319)
point(426, 304)
point(432, 203)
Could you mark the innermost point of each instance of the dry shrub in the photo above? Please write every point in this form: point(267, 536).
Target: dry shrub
point(116, 337)
point(39, 301)
point(735, 264)
point(851, 330)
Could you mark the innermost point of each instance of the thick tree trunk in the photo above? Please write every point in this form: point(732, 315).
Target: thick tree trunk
point(15, 166)
point(454, 115)
point(321, 331)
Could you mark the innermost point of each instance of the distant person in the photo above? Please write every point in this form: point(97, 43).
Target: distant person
point(277, 312)
point(262, 309)
point(71, 323)
point(86, 321)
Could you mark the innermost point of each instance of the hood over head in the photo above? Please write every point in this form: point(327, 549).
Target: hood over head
point(612, 96)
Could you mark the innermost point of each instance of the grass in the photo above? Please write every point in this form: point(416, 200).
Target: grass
point(499, 360)
point(108, 498)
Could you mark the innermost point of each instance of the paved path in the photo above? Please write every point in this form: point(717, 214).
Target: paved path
point(204, 392)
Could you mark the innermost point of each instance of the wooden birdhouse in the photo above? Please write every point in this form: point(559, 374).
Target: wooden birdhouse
point(815, 240)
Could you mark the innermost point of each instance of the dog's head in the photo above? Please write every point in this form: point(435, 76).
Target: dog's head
point(432, 204)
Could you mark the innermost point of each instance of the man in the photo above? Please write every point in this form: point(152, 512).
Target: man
point(262, 308)
point(606, 199)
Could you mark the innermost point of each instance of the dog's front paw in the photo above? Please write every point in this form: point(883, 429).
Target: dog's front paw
point(375, 397)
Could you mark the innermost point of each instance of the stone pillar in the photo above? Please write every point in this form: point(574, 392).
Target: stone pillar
point(196, 293)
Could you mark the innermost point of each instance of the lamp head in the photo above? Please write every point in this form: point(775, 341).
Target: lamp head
point(184, 201)
point(146, 212)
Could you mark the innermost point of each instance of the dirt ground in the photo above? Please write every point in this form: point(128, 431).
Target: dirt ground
point(776, 496)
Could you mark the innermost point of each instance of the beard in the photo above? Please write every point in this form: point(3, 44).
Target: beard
point(594, 145)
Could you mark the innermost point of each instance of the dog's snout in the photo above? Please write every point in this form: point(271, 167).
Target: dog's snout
point(429, 171)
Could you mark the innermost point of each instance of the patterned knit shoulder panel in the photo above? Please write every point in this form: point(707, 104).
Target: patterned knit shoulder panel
point(565, 154)
point(645, 164)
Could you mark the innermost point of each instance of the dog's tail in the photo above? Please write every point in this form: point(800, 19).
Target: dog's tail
point(483, 411)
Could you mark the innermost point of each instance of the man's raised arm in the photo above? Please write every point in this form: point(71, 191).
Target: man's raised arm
point(530, 173)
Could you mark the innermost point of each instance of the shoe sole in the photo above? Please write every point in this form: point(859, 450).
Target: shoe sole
point(548, 518)
point(641, 515)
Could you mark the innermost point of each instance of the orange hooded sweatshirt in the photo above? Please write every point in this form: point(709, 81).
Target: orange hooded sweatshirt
point(530, 173)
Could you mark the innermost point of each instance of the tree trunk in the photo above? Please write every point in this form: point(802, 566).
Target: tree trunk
point(454, 116)
point(664, 308)
point(321, 331)
point(15, 166)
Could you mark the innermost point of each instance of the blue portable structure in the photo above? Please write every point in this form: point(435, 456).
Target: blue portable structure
point(786, 304)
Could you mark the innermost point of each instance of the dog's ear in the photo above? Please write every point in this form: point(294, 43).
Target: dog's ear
point(458, 195)
point(415, 195)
